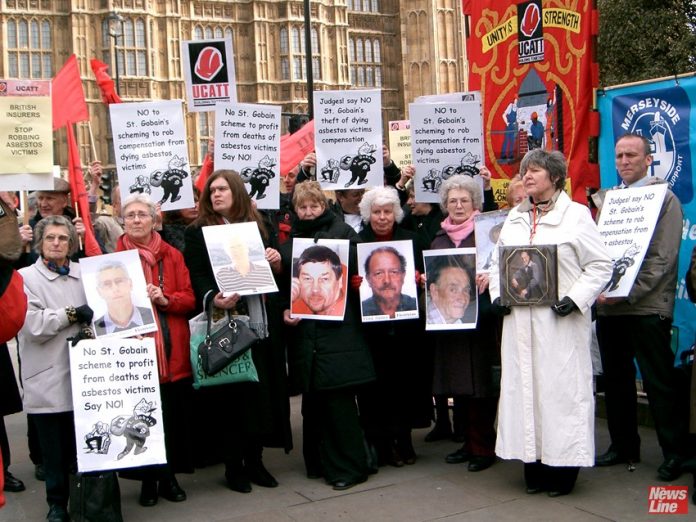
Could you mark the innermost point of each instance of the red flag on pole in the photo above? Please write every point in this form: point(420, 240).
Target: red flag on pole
point(294, 147)
point(78, 194)
point(68, 97)
point(104, 82)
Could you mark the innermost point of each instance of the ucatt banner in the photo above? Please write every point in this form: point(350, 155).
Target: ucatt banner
point(663, 112)
point(26, 135)
point(532, 62)
point(208, 73)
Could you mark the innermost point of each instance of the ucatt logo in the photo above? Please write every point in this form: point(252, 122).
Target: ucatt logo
point(668, 500)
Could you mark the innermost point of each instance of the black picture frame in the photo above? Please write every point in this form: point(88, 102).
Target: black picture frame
point(530, 280)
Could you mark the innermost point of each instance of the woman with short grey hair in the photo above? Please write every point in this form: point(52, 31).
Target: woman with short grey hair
point(461, 182)
point(53, 221)
point(381, 196)
point(142, 199)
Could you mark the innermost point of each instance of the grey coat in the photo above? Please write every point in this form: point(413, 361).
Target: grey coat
point(43, 346)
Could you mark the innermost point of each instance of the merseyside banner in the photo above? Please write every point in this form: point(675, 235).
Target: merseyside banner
point(532, 62)
point(662, 111)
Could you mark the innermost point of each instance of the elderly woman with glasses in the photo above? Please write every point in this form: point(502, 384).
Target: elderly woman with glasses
point(169, 289)
point(465, 360)
point(57, 310)
point(400, 398)
point(546, 414)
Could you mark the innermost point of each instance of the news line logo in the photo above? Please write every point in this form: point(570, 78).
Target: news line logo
point(668, 500)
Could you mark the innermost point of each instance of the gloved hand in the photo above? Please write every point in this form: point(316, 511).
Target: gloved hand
point(84, 333)
point(355, 281)
point(564, 307)
point(499, 309)
point(84, 314)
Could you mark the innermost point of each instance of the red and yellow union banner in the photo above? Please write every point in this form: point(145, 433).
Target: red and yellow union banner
point(532, 62)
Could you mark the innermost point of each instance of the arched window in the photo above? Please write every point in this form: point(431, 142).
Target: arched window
point(315, 41)
point(218, 33)
point(208, 33)
point(132, 47)
point(284, 45)
point(359, 55)
point(375, 6)
point(368, 51)
point(198, 33)
point(351, 50)
point(316, 68)
point(284, 68)
point(296, 44)
point(377, 51)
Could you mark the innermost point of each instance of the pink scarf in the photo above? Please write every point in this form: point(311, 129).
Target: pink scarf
point(150, 254)
point(457, 233)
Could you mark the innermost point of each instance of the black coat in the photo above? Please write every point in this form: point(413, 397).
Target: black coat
point(325, 355)
point(402, 394)
point(10, 400)
point(262, 409)
point(467, 362)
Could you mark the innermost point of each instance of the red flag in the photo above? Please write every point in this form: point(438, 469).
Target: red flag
point(69, 104)
point(206, 170)
point(104, 82)
point(78, 194)
point(294, 147)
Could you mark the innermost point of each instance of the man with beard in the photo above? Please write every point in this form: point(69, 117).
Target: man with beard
point(385, 269)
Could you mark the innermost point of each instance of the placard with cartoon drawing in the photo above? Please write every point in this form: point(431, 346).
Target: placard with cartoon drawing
point(116, 291)
point(446, 139)
point(487, 227)
point(151, 152)
point(238, 259)
point(388, 290)
point(117, 405)
point(348, 139)
point(451, 296)
point(319, 278)
point(247, 140)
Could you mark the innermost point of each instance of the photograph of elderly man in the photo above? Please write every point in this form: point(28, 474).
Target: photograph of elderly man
point(451, 299)
point(318, 284)
point(385, 273)
point(115, 287)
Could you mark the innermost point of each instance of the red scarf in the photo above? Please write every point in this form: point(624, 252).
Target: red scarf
point(457, 233)
point(150, 255)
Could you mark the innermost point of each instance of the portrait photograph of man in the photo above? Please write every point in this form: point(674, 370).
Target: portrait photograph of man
point(451, 297)
point(487, 227)
point(238, 258)
point(388, 289)
point(528, 275)
point(116, 290)
point(319, 279)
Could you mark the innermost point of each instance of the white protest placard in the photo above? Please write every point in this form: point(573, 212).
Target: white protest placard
point(400, 143)
point(151, 152)
point(26, 135)
point(626, 224)
point(116, 292)
point(449, 97)
point(446, 139)
point(208, 73)
point(238, 259)
point(348, 139)
point(116, 399)
point(247, 140)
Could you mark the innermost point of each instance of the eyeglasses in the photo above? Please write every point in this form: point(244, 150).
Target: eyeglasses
point(142, 216)
point(52, 239)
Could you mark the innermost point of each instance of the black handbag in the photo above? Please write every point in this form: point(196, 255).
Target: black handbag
point(95, 497)
point(224, 345)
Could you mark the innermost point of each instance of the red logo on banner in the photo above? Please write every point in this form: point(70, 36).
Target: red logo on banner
point(208, 64)
point(668, 500)
point(3, 87)
point(530, 20)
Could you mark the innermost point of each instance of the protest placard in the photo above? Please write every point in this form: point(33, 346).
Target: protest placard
point(208, 73)
point(451, 296)
point(626, 224)
point(446, 140)
point(117, 405)
point(449, 97)
point(400, 143)
point(238, 259)
point(26, 157)
point(348, 139)
point(319, 279)
point(388, 289)
point(247, 140)
point(116, 291)
point(151, 152)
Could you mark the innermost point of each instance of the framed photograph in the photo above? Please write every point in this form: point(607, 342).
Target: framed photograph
point(116, 291)
point(451, 298)
point(528, 275)
point(319, 279)
point(487, 227)
point(238, 258)
point(388, 289)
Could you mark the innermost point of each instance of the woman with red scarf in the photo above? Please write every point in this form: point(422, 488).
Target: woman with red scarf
point(169, 289)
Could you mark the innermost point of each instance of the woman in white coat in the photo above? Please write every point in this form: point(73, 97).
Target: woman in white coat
point(546, 409)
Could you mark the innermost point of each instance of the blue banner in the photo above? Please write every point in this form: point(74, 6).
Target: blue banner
point(664, 112)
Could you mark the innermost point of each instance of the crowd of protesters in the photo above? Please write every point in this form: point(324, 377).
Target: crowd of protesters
point(520, 382)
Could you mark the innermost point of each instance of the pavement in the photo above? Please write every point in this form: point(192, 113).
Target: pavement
point(426, 491)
